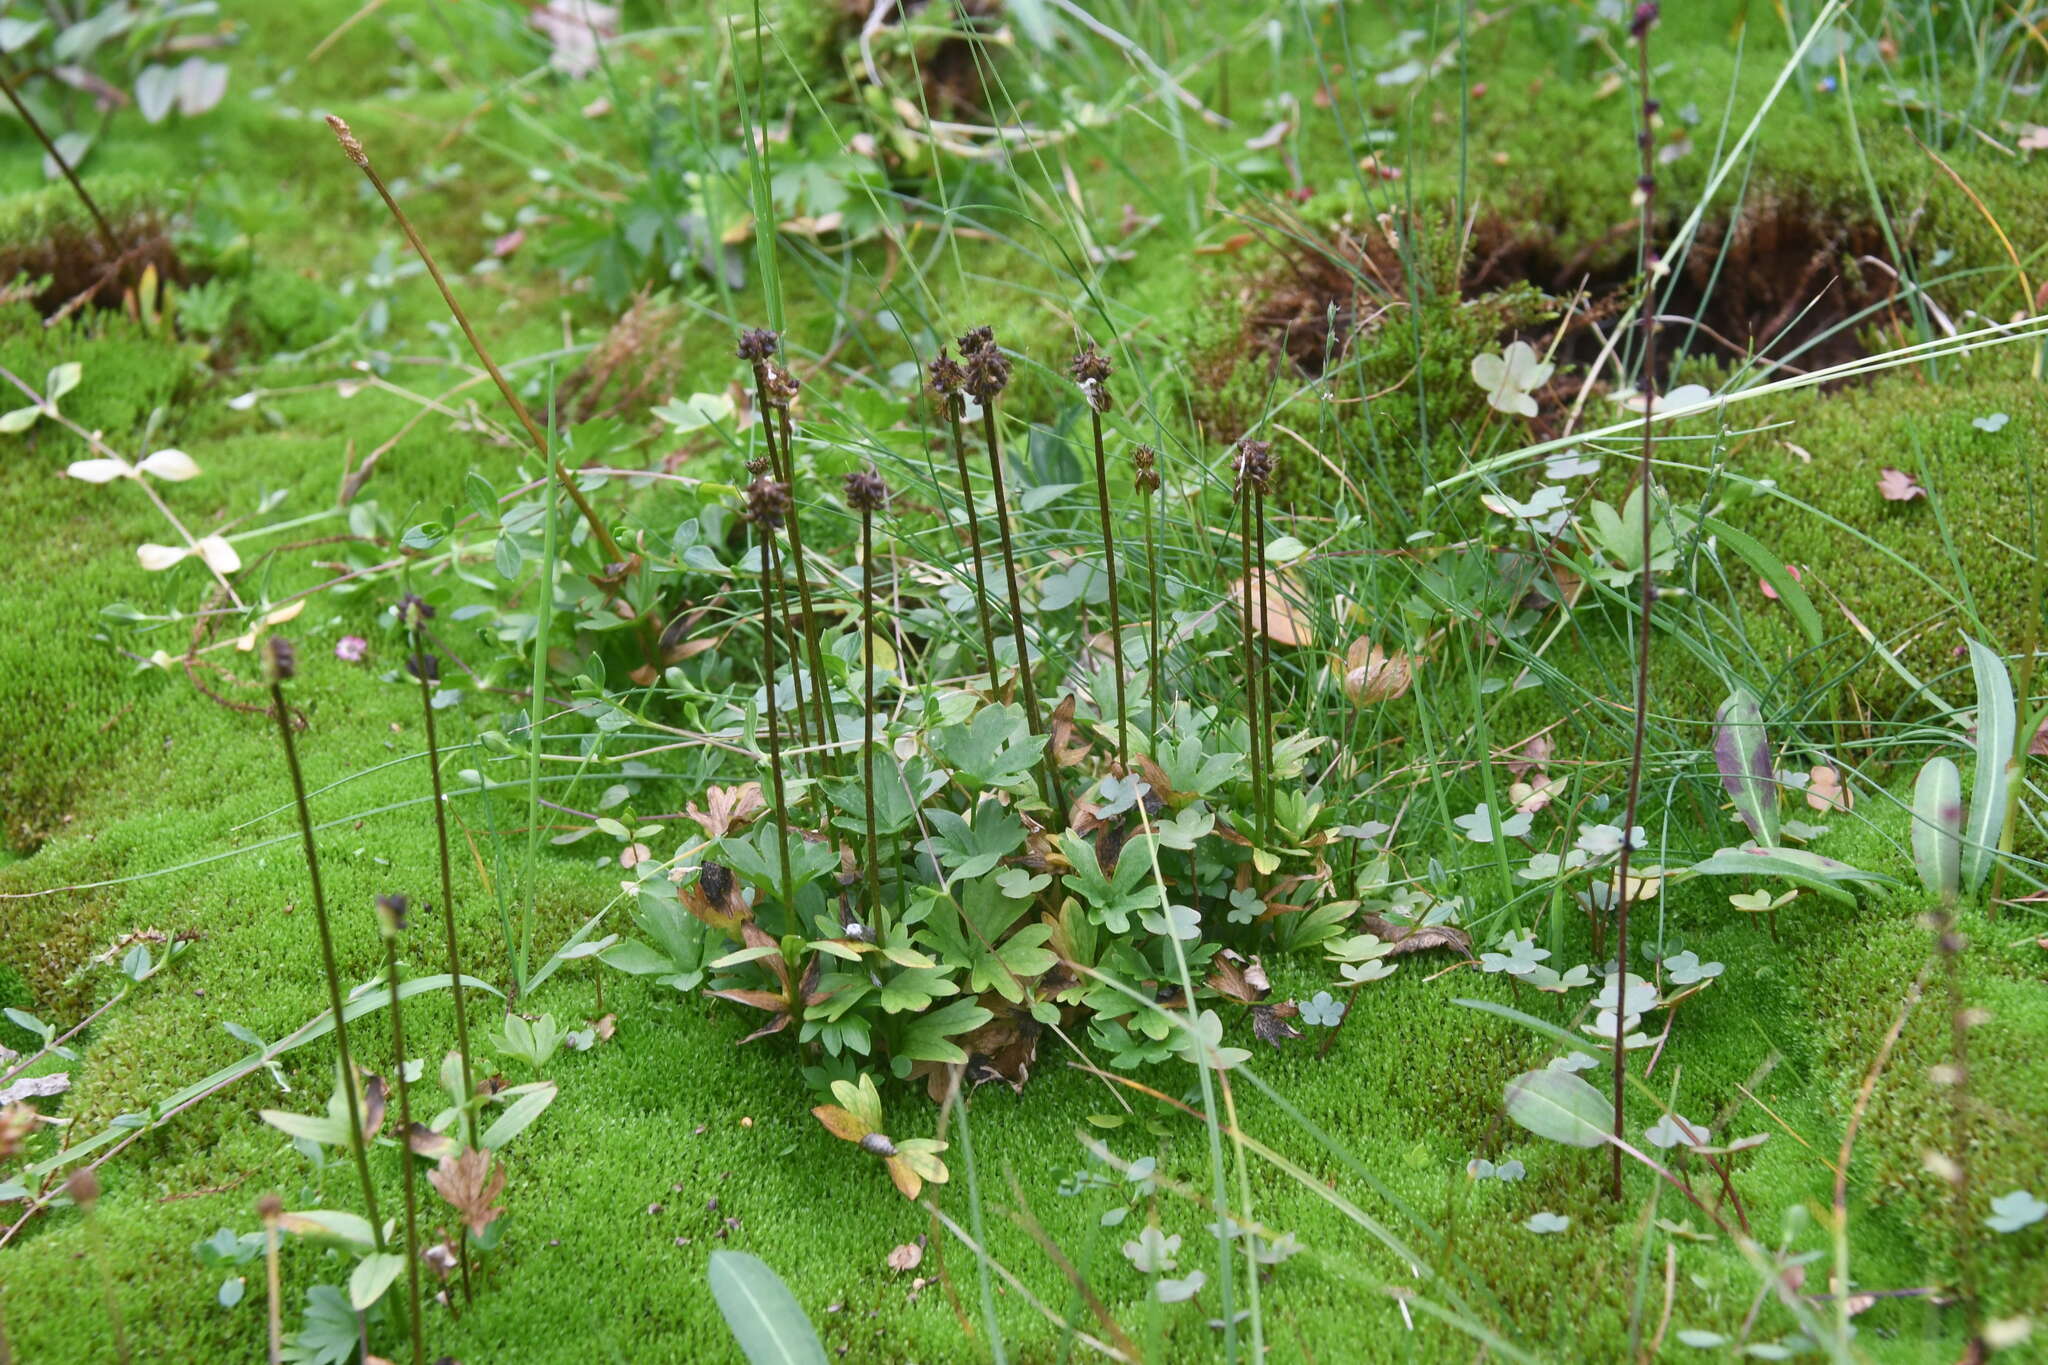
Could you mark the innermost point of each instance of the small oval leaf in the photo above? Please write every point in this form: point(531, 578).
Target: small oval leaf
point(1559, 1106)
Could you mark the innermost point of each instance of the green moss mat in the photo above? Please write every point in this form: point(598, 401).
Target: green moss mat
point(111, 773)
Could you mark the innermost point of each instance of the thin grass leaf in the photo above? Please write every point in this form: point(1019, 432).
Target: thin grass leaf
point(1773, 571)
point(1829, 876)
point(764, 1316)
point(1742, 751)
point(1938, 827)
point(1997, 724)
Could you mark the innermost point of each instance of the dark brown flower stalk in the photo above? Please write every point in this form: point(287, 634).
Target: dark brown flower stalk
point(1646, 194)
point(867, 495)
point(281, 664)
point(1267, 725)
point(767, 504)
point(1091, 370)
point(415, 612)
point(783, 390)
point(1147, 482)
point(775, 390)
point(988, 374)
point(391, 913)
point(83, 1186)
point(1254, 459)
point(112, 243)
point(947, 382)
point(271, 1210)
point(426, 668)
point(618, 561)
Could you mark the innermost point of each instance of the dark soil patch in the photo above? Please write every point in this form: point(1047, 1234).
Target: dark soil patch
point(1802, 288)
point(74, 267)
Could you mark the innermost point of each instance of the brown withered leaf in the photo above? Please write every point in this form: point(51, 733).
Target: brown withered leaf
point(1286, 619)
point(1234, 978)
point(1371, 675)
point(1068, 747)
point(376, 1094)
point(1154, 777)
point(425, 1142)
point(1413, 938)
point(1269, 1022)
point(471, 1185)
point(606, 1027)
point(1005, 1048)
point(906, 1257)
point(728, 808)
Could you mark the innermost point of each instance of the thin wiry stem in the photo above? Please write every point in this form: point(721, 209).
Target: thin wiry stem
point(867, 748)
point(453, 948)
point(1152, 659)
point(1251, 658)
point(1032, 719)
point(1116, 636)
point(1263, 680)
point(334, 993)
point(769, 611)
point(954, 404)
point(606, 543)
point(821, 694)
point(412, 1224)
point(35, 126)
point(1646, 16)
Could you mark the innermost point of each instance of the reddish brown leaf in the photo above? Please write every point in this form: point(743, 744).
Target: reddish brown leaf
point(1411, 938)
point(471, 1186)
point(1269, 1022)
point(1068, 746)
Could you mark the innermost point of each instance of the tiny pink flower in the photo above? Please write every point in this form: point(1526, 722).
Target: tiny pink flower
point(350, 649)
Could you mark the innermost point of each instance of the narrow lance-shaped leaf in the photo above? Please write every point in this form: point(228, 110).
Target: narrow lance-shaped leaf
point(1742, 751)
point(764, 1316)
point(1997, 723)
point(1559, 1106)
point(1938, 827)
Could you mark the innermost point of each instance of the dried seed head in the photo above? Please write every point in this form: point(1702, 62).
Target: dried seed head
point(1091, 370)
point(977, 339)
point(269, 1208)
point(781, 387)
point(349, 143)
point(1146, 460)
point(865, 491)
point(1254, 465)
point(414, 610)
point(280, 660)
point(759, 465)
point(879, 1144)
point(424, 667)
point(767, 502)
point(757, 344)
point(988, 374)
point(83, 1186)
point(391, 914)
point(947, 378)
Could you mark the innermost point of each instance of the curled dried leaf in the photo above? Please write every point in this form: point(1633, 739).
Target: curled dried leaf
point(1371, 675)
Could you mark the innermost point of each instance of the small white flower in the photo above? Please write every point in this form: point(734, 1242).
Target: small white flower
point(1510, 377)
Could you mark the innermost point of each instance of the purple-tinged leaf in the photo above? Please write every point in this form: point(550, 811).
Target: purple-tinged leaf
point(1742, 751)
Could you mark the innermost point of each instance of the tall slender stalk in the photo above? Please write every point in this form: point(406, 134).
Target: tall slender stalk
point(767, 502)
point(1254, 463)
point(867, 494)
point(271, 1209)
point(1265, 636)
point(988, 374)
point(281, 662)
point(35, 126)
point(1147, 482)
point(947, 379)
point(1091, 370)
point(1652, 267)
point(391, 911)
point(84, 1188)
point(618, 562)
point(775, 390)
point(426, 668)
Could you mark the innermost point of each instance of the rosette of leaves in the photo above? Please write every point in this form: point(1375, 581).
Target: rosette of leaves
point(857, 1118)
